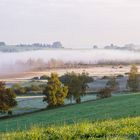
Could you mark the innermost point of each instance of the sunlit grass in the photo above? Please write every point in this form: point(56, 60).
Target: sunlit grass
point(121, 129)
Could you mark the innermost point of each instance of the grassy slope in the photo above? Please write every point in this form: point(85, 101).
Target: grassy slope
point(111, 108)
point(122, 129)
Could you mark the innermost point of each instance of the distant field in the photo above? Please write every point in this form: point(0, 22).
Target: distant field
point(97, 70)
point(111, 108)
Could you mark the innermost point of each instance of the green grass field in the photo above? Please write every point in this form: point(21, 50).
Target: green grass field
point(111, 108)
point(122, 129)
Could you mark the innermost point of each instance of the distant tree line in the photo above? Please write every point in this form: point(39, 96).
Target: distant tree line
point(39, 64)
point(56, 44)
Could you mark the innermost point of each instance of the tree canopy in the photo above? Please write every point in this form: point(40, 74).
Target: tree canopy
point(77, 84)
point(133, 79)
point(7, 98)
point(55, 92)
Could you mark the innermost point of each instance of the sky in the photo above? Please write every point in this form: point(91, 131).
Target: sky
point(76, 23)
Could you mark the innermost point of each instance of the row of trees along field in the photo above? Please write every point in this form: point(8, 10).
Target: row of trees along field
point(71, 86)
point(133, 83)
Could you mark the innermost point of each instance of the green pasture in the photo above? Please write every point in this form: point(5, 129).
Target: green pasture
point(115, 107)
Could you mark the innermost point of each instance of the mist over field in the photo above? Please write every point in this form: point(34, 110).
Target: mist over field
point(16, 62)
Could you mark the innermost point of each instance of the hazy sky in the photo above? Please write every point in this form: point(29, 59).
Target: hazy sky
point(76, 23)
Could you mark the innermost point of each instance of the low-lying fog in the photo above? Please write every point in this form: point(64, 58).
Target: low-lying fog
point(9, 62)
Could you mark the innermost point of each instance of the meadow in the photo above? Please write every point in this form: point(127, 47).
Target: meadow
point(115, 118)
point(116, 107)
point(32, 103)
point(122, 129)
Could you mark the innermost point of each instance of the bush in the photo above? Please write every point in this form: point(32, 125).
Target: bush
point(104, 93)
point(18, 89)
point(44, 77)
point(35, 78)
point(127, 73)
point(34, 88)
point(120, 76)
point(105, 77)
point(112, 83)
point(120, 67)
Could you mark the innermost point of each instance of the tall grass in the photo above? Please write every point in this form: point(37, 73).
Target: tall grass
point(122, 129)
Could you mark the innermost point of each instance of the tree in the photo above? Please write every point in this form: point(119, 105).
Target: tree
point(133, 79)
point(77, 85)
point(112, 83)
point(57, 44)
point(7, 98)
point(55, 92)
point(18, 89)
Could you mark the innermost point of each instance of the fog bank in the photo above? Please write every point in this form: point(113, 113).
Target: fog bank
point(9, 62)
